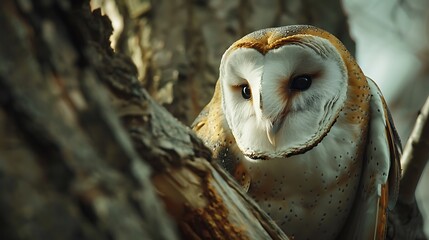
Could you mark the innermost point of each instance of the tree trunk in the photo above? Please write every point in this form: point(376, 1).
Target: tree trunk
point(84, 151)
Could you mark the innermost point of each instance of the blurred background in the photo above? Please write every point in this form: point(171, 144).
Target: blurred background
point(177, 46)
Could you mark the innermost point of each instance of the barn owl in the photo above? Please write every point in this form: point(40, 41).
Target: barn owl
point(306, 134)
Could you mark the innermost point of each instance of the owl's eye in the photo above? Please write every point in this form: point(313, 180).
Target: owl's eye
point(301, 83)
point(245, 91)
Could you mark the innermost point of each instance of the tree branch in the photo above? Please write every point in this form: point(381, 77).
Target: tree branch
point(415, 156)
point(405, 220)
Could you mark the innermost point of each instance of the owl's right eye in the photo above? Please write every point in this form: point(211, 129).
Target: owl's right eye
point(246, 92)
point(301, 83)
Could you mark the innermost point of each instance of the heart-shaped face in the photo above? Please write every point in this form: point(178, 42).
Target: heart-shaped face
point(281, 94)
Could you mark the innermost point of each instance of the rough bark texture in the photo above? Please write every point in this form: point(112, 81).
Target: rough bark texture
point(177, 45)
point(67, 168)
point(79, 137)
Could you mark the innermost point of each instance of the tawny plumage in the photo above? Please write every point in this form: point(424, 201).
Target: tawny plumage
point(306, 134)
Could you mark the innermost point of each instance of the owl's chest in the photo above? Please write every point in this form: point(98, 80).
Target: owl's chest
point(310, 195)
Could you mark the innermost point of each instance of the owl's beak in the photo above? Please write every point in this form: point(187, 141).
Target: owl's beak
point(273, 130)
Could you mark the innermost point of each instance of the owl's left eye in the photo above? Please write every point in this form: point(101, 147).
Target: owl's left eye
point(246, 92)
point(301, 83)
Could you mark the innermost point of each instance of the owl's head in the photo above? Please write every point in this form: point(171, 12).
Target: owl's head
point(282, 89)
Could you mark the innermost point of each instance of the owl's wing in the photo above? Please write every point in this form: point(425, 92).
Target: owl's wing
point(212, 128)
point(381, 173)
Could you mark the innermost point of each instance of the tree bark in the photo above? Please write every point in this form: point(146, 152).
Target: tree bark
point(85, 153)
point(67, 170)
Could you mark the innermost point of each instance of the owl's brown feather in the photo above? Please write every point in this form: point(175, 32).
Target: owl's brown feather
point(395, 147)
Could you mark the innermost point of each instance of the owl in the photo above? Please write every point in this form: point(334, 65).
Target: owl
point(307, 135)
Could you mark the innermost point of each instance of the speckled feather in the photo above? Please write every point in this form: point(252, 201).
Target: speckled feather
point(338, 185)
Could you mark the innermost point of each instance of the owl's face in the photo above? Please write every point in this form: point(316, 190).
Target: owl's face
point(281, 100)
